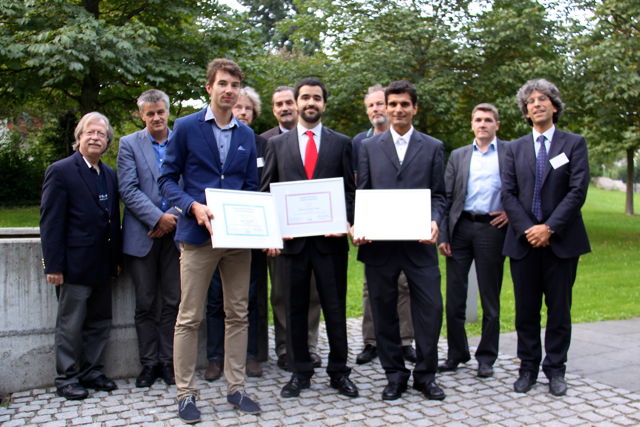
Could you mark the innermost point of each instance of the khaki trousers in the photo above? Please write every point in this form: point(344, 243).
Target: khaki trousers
point(197, 264)
point(404, 314)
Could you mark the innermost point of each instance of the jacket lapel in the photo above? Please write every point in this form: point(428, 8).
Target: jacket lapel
point(207, 134)
point(88, 177)
point(464, 168)
point(293, 151)
point(389, 149)
point(555, 148)
point(415, 146)
point(146, 146)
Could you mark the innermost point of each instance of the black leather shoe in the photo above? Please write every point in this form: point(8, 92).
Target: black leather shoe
point(147, 376)
point(409, 353)
point(167, 373)
point(316, 360)
point(431, 390)
point(283, 363)
point(101, 383)
point(295, 384)
point(367, 354)
point(450, 365)
point(393, 391)
point(485, 370)
point(558, 386)
point(345, 386)
point(525, 381)
point(73, 392)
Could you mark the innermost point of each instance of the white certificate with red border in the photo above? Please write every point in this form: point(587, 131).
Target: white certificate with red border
point(313, 207)
point(393, 214)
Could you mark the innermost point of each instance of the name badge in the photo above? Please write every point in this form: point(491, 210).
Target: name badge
point(559, 160)
point(260, 161)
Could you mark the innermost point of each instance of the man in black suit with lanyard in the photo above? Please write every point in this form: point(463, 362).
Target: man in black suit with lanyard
point(544, 185)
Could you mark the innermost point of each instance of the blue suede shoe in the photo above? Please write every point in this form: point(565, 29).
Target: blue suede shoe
point(187, 410)
point(243, 403)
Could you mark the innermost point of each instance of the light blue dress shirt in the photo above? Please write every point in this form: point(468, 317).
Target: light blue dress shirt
point(483, 185)
point(222, 135)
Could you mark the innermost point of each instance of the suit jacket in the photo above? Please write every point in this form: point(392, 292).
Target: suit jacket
point(423, 167)
point(456, 178)
point(563, 193)
point(193, 155)
point(284, 163)
point(271, 133)
point(139, 190)
point(80, 238)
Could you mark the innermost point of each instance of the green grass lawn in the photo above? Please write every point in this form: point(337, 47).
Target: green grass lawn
point(607, 286)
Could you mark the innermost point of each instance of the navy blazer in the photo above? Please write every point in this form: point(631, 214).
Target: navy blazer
point(80, 238)
point(456, 178)
point(284, 163)
point(423, 167)
point(563, 193)
point(193, 155)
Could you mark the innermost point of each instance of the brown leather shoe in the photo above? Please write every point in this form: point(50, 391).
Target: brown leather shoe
point(316, 360)
point(254, 369)
point(214, 370)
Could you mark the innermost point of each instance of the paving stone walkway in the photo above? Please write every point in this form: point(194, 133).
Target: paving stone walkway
point(470, 401)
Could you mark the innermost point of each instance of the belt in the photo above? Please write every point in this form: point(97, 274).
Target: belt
point(477, 217)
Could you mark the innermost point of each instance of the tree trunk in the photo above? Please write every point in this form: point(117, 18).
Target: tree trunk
point(628, 209)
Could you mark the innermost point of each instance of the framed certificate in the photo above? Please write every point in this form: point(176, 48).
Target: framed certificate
point(312, 207)
point(243, 219)
point(393, 214)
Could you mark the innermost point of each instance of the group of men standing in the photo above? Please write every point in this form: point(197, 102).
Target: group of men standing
point(520, 199)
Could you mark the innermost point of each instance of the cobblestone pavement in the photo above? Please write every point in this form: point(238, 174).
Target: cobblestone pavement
point(470, 401)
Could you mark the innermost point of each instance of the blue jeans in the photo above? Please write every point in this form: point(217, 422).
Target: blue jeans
point(215, 320)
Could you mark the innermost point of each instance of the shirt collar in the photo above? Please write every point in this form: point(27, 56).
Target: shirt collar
point(208, 116)
point(493, 144)
point(156, 142)
point(395, 135)
point(317, 129)
point(90, 166)
point(547, 133)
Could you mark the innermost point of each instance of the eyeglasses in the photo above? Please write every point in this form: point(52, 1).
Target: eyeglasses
point(96, 133)
point(541, 98)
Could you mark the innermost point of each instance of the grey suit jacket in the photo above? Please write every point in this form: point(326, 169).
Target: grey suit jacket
point(423, 167)
point(456, 178)
point(271, 133)
point(138, 184)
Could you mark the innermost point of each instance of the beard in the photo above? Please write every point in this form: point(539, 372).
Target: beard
point(311, 115)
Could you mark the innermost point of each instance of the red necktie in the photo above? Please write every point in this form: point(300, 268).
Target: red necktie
point(310, 155)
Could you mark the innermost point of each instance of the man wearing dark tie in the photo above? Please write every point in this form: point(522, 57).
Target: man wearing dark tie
point(473, 229)
point(404, 158)
point(544, 185)
point(313, 151)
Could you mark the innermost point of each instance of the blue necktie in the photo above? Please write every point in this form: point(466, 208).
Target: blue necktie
point(541, 162)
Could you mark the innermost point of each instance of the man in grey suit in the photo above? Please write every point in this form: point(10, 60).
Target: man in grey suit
point(285, 111)
point(404, 158)
point(148, 231)
point(473, 229)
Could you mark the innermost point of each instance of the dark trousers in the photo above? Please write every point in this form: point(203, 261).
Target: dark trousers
point(330, 271)
point(541, 273)
point(482, 242)
point(426, 312)
point(156, 278)
point(82, 330)
point(257, 335)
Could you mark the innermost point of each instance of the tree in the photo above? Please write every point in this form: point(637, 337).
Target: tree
point(609, 73)
point(72, 56)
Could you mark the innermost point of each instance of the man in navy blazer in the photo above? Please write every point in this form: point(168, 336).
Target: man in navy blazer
point(295, 156)
point(473, 229)
point(148, 229)
point(81, 247)
point(404, 158)
point(210, 148)
point(544, 185)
